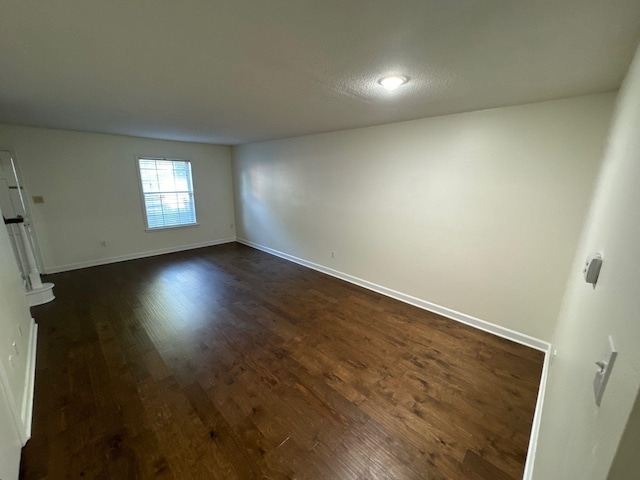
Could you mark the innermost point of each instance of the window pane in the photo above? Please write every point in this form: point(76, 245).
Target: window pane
point(167, 188)
point(149, 180)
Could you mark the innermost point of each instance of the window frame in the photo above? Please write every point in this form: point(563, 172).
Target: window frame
point(142, 194)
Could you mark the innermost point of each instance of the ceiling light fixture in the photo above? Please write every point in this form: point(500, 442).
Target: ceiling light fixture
point(391, 82)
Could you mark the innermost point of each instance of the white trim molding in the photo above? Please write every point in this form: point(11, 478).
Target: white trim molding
point(537, 416)
point(134, 256)
point(26, 412)
point(483, 325)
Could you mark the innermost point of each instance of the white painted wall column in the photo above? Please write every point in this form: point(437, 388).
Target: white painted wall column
point(18, 339)
point(10, 443)
point(578, 440)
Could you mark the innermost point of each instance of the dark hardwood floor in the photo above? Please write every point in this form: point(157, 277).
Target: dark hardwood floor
point(226, 362)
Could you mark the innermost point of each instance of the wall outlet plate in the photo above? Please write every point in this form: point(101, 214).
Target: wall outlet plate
point(604, 371)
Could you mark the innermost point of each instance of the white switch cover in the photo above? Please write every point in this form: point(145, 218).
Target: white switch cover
point(604, 371)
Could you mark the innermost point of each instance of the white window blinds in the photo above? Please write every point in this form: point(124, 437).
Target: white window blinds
point(167, 189)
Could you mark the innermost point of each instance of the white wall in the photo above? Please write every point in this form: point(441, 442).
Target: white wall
point(577, 439)
point(478, 212)
point(16, 377)
point(91, 193)
point(10, 446)
point(626, 463)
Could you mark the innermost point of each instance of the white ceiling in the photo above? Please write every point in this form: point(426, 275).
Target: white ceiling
point(237, 71)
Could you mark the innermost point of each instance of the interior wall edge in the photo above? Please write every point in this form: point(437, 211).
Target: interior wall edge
point(6, 398)
point(137, 255)
point(475, 322)
point(537, 416)
point(29, 388)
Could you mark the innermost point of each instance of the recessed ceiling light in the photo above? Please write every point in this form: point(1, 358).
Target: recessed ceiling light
point(391, 82)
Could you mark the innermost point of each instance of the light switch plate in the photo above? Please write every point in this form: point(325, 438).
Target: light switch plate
point(604, 371)
point(592, 268)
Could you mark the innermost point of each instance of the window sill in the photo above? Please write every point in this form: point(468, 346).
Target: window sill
point(159, 229)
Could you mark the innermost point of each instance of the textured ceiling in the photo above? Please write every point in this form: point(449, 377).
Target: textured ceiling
point(238, 71)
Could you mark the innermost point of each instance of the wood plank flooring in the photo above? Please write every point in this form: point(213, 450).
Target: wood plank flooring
point(229, 363)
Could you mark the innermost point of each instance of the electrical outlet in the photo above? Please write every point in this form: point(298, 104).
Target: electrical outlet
point(103, 243)
point(333, 254)
point(12, 361)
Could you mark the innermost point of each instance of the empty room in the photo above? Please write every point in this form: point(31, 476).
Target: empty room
point(320, 240)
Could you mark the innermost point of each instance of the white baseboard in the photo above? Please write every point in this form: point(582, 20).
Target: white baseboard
point(418, 302)
point(27, 399)
point(537, 417)
point(483, 325)
point(134, 256)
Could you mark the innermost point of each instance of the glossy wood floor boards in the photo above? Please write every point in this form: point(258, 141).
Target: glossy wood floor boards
point(229, 363)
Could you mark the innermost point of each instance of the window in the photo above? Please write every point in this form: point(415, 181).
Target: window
point(167, 190)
